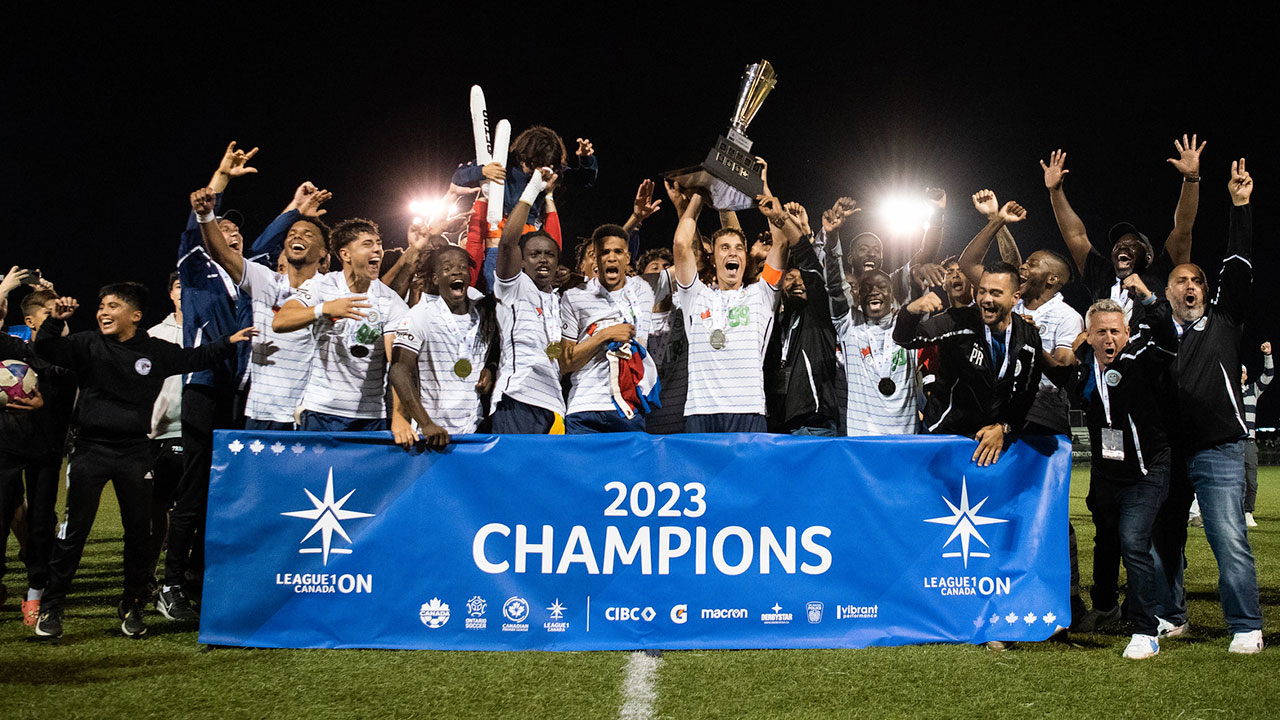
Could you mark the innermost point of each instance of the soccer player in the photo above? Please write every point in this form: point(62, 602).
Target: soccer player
point(165, 436)
point(1131, 251)
point(667, 345)
point(1250, 391)
point(1212, 430)
point(33, 435)
point(866, 253)
point(1129, 474)
point(727, 324)
point(599, 322)
point(527, 397)
point(354, 317)
point(442, 359)
point(119, 372)
point(988, 361)
point(280, 363)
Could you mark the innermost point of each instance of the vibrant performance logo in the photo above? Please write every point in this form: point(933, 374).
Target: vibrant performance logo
point(328, 516)
point(966, 521)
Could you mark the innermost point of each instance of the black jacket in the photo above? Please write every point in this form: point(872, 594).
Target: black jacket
point(967, 395)
point(800, 389)
point(1136, 398)
point(1207, 370)
point(119, 381)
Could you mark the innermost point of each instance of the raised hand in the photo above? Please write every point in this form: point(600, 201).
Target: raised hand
point(1241, 184)
point(494, 172)
point(351, 308)
point(936, 197)
point(677, 195)
point(202, 201)
point(1266, 348)
point(64, 307)
point(450, 224)
point(419, 236)
point(1012, 212)
point(928, 275)
point(311, 202)
point(243, 334)
point(984, 201)
point(1054, 172)
point(584, 148)
point(927, 303)
point(834, 217)
point(13, 279)
point(1188, 160)
point(644, 205)
point(236, 162)
point(771, 208)
point(799, 216)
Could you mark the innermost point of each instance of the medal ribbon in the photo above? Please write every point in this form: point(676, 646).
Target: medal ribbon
point(1008, 333)
point(1103, 393)
point(469, 332)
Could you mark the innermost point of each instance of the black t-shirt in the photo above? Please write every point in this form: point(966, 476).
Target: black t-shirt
point(1099, 274)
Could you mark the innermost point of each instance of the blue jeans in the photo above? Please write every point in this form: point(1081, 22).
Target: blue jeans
point(582, 423)
point(252, 424)
point(324, 422)
point(1217, 476)
point(512, 417)
point(1124, 515)
point(489, 269)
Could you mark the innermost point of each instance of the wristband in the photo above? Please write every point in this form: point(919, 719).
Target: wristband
point(206, 218)
point(1150, 299)
point(320, 311)
point(1191, 178)
point(778, 221)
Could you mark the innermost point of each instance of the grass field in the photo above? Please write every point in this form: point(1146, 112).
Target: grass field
point(95, 672)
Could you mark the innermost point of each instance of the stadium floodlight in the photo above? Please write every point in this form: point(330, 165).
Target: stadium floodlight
point(905, 213)
point(426, 209)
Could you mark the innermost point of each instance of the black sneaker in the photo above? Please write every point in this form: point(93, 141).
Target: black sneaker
point(1096, 620)
point(50, 623)
point(173, 604)
point(131, 622)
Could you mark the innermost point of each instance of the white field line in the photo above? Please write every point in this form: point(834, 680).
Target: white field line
point(640, 687)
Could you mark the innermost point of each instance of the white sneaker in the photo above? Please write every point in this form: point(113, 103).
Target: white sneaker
point(1249, 521)
point(1246, 643)
point(1166, 629)
point(1141, 647)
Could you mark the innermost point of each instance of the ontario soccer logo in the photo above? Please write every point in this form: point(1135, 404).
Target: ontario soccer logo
point(328, 515)
point(966, 522)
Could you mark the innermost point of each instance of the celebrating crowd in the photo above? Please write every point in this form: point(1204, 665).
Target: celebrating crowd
point(495, 327)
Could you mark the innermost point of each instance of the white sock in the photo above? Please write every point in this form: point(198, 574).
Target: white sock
point(34, 594)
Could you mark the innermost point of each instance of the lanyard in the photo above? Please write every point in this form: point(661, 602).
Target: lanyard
point(550, 315)
point(1008, 333)
point(1122, 297)
point(887, 351)
point(720, 313)
point(630, 314)
point(1103, 394)
point(786, 339)
point(469, 332)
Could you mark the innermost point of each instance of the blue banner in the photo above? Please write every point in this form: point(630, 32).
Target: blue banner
point(624, 541)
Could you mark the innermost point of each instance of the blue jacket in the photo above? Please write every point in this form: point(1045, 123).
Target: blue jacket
point(472, 175)
point(209, 311)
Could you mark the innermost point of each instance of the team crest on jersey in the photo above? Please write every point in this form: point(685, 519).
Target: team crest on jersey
point(142, 366)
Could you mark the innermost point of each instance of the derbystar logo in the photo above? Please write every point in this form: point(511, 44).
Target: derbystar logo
point(328, 515)
point(966, 522)
point(777, 617)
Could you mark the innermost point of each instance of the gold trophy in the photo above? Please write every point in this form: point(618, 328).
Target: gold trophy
point(730, 173)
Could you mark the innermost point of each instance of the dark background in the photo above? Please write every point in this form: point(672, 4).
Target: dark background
point(109, 122)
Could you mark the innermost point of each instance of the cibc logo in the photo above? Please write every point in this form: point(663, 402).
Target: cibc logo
point(630, 614)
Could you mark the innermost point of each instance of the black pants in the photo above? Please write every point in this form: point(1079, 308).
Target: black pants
point(166, 473)
point(203, 409)
point(42, 494)
point(92, 465)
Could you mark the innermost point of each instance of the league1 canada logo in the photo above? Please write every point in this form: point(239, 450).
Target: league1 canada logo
point(328, 515)
point(966, 520)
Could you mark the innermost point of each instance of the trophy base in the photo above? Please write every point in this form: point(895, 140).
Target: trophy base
point(730, 174)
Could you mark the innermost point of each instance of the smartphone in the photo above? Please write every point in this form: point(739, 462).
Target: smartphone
point(31, 278)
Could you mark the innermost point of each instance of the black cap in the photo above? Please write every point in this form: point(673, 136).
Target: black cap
point(1121, 229)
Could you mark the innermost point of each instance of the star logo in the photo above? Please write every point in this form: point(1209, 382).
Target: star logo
point(557, 610)
point(966, 521)
point(298, 448)
point(776, 608)
point(256, 446)
point(277, 447)
point(328, 516)
point(235, 447)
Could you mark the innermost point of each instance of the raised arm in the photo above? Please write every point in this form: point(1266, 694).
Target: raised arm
point(833, 219)
point(1236, 276)
point(509, 260)
point(1178, 245)
point(642, 207)
point(51, 345)
point(202, 203)
point(971, 258)
point(685, 258)
point(789, 231)
point(928, 250)
point(1069, 224)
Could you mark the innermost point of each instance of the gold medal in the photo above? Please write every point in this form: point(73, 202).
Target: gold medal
point(554, 350)
point(462, 368)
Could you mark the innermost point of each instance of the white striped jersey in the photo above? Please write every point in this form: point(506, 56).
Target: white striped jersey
point(529, 321)
point(586, 310)
point(349, 367)
point(731, 379)
point(1058, 323)
point(279, 363)
point(441, 340)
point(869, 356)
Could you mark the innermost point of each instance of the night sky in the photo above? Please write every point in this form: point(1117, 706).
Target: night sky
point(109, 122)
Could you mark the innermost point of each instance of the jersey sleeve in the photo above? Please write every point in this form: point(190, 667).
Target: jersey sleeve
point(397, 310)
point(1066, 332)
point(570, 325)
point(409, 331)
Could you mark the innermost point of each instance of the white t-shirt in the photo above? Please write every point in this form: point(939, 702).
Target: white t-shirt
point(442, 339)
point(349, 367)
point(586, 310)
point(279, 363)
point(870, 355)
point(529, 321)
point(731, 379)
point(1058, 323)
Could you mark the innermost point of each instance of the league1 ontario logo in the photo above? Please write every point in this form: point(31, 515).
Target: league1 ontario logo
point(327, 515)
point(966, 520)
